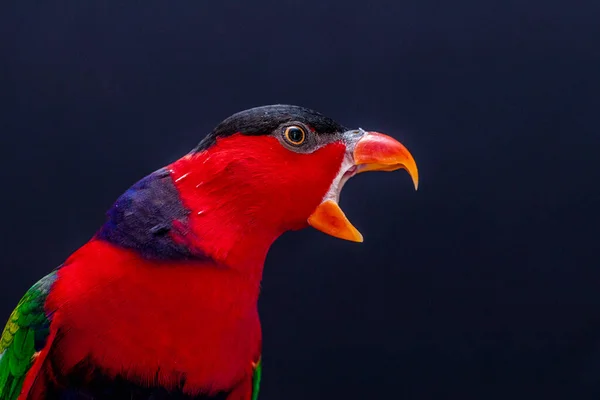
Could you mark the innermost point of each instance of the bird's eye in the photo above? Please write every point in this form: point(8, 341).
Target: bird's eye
point(295, 135)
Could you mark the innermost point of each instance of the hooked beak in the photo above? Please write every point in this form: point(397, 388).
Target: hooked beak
point(367, 151)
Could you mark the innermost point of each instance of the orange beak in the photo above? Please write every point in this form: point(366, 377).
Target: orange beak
point(371, 152)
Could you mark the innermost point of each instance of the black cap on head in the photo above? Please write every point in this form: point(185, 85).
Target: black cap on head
point(264, 120)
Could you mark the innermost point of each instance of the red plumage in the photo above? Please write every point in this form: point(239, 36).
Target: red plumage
point(132, 317)
point(248, 191)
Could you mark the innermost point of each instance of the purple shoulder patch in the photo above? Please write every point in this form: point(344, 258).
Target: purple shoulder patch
point(143, 217)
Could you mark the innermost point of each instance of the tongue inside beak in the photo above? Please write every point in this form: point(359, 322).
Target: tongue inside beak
point(372, 152)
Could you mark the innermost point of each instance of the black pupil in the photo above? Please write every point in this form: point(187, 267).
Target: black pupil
point(295, 135)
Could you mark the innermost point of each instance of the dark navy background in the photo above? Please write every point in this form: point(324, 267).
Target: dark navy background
point(484, 284)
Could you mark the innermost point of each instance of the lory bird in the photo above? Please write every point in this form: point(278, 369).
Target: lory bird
point(162, 301)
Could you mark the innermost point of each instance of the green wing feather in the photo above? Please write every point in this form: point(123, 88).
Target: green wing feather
point(256, 379)
point(24, 335)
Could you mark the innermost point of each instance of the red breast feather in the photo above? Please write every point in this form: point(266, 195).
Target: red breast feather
point(164, 322)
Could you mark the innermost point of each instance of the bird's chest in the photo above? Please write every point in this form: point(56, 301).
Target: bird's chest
point(187, 329)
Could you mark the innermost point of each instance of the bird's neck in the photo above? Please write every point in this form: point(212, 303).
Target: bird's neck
point(229, 222)
point(177, 214)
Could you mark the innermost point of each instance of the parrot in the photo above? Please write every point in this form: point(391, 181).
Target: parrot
point(161, 302)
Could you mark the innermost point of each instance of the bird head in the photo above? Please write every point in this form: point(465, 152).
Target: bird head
point(275, 168)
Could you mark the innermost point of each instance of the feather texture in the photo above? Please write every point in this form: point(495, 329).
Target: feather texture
point(24, 335)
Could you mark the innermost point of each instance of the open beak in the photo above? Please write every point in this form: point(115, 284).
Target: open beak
point(367, 151)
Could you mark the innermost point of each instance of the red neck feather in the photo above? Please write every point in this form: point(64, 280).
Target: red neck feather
point(245, 191)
